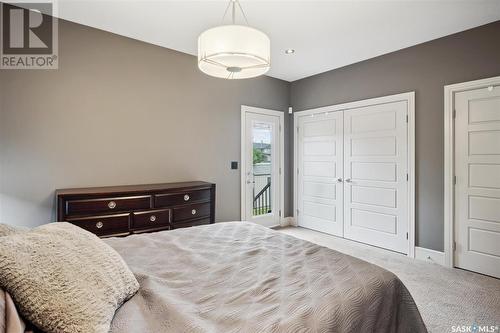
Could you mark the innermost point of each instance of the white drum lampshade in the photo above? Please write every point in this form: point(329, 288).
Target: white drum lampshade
point(234, 52)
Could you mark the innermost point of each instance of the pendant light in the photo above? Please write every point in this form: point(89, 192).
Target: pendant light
point(234, 51)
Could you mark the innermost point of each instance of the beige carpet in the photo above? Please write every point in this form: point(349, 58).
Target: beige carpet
point(445, 297)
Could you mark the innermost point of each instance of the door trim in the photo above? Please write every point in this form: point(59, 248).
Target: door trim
point(250, 109)
point(449, 158)
point(409, 97)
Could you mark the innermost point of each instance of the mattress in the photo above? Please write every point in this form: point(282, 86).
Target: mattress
point(242, 277)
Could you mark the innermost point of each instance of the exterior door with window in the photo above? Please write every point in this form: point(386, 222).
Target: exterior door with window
point(261, 166)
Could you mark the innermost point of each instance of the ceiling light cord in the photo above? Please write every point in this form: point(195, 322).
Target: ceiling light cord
point(234, 4)
point(233, 16)
point(242, 12)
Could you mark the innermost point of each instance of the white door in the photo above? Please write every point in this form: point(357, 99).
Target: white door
point(375, 175)
point(477, 190)
point(320, 190)
point(261, 166)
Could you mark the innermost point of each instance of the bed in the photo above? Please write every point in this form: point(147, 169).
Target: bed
point(241, 277)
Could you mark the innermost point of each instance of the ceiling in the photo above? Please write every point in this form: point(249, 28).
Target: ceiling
point(325, 34)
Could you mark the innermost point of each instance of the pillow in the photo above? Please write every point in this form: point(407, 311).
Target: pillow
point(6, 230)
point(64, 279)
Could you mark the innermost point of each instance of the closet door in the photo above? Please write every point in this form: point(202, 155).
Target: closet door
point(320, 190)
point(477, 189)
point(375, 175)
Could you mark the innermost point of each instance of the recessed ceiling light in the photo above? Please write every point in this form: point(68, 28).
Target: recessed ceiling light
point(289, 51)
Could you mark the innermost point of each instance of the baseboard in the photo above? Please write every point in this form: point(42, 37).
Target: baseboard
point(429, 255)
point(287, 221)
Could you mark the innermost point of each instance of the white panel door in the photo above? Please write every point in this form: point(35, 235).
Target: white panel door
point(477, 191)
point(320, 189)
point(375, 175)
point(262, 150)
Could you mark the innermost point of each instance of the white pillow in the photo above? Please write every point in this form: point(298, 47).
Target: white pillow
point(64, 279)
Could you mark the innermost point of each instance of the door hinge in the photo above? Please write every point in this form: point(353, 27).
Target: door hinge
point(297, 212)
point(297, 170)
point(454, 246)
point(406, 235)
point(454, 113)
point(454, 180)
point(407, 118)
point(279, 213)
point(280, 127)
point(407, 177)
point(279, 171)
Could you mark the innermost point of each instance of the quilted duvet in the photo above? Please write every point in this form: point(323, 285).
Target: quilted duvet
point(241, 277)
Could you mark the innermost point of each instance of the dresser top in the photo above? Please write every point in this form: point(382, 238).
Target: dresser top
point(132, 188)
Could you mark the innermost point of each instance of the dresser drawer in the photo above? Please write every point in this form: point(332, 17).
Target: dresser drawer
point(107, 205)
point(104, 225)
point(191, 212)
point(191, 223)
point(151, 219)
point(173, 199)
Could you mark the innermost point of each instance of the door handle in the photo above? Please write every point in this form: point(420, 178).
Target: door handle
point(348, 180)
point(339, 180)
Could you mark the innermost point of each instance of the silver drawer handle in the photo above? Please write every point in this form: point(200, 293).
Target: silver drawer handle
point(186, 197)
point(152, 218)
point(111, 205)
point(193, 212)
point(99, 225)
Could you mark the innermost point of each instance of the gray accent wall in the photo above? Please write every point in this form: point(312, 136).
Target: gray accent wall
point(425, 69)
point(120, 111)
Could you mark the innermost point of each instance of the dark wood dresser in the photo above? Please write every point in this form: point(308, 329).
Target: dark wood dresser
point(123, 210)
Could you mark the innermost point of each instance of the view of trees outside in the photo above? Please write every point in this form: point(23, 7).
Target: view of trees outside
point(258, 156)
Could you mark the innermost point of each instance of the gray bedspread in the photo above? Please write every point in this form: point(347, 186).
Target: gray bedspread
point(241, 277)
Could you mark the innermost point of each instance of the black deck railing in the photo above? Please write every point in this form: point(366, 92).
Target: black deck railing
point(262, 200)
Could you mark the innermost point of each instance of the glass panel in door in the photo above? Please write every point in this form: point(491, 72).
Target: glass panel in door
point(261, 191)
point(262, 151)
